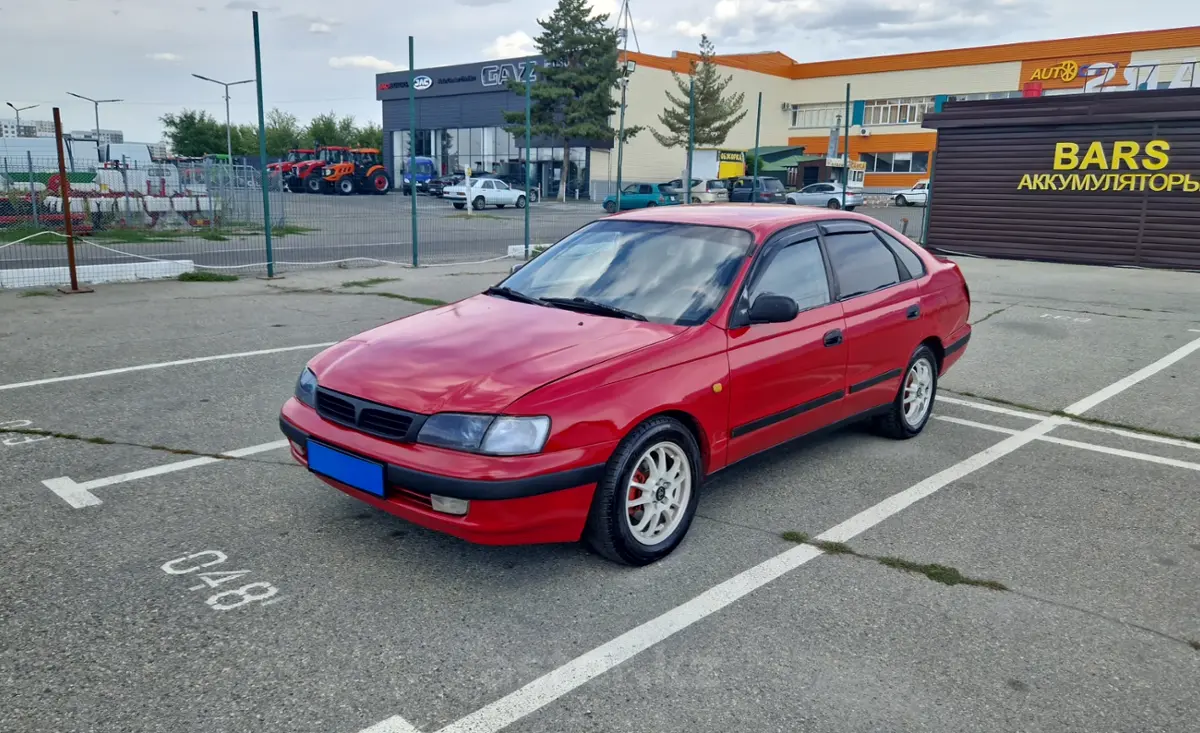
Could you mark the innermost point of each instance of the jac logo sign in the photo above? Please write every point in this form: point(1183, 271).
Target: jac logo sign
point(421, 83)
point(498, 74)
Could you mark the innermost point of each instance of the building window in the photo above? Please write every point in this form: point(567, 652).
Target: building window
point(816, 115)
point(975, 96)
point(905, 111)
point(896, 162)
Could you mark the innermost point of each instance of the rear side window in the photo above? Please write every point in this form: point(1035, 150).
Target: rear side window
point(861, 263)
point(771, 184)
point(797, 271)
point(645, 189)
point(911, 261)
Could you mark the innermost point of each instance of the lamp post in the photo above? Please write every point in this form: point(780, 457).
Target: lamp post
point(19, 110)
point(228, 127)
point(627, 67)
point(96, 103)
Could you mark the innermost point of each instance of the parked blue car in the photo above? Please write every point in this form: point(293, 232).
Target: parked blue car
point(641, 196)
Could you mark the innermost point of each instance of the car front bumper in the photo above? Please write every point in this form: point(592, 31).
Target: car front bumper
point(513, 500)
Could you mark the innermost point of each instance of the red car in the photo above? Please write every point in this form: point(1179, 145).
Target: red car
point(591, 393)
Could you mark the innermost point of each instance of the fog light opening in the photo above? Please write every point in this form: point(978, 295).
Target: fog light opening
point(449, 505)
point(300, 448)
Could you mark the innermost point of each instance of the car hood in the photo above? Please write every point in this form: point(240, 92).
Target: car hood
point(478, 355)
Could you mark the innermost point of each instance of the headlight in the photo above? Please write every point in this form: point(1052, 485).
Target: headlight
point(306, 388)
point(500, 436)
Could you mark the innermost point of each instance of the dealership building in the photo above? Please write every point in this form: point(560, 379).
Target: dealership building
point(460, 109)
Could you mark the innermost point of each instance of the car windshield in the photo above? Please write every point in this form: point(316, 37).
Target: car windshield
point(675, 274)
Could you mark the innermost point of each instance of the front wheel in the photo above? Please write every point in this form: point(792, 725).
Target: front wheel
point(345, 186)
point(478, 203)
point(647, 498)
point(910, 411)
point(520, 202)
point(696, 200)
point(312, 184)
point(610, 207)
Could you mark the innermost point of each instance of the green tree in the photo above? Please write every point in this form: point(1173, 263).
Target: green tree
point(715, 112)
point(323, 130)
point(573, 96)
point(283, 133)
point(193, 133)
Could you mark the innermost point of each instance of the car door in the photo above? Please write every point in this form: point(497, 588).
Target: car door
point(786, 379)
point(646, 195)
point(881, 302)
point(504, 193)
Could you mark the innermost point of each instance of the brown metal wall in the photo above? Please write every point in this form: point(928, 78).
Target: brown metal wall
point(985, 148)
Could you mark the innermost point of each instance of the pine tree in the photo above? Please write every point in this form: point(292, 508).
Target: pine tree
point(716, 114)
point(572, 98)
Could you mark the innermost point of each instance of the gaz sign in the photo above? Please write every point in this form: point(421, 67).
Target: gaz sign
point(498, 74)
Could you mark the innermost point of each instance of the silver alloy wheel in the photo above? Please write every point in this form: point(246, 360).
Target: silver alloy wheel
point(918, 392)
point(659, 490)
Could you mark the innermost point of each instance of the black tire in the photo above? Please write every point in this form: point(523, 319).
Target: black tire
point(901, 201)
point(696, 200)
point(459, 205)
point(479, 203)
point(893, 424)
point(610, 207)
point(607, 530)
point(833, 204)
point(651, 205)
point(520, 202)
point(379, 188)
point(534, 196)
point(790, 202)
point(312, 184)
point(345, 186)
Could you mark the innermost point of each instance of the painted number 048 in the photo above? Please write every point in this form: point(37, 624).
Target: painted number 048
point(224, 600)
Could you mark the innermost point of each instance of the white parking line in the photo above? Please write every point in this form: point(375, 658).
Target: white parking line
point(990, 408)
point(1077, 444)
point(162, 365)
point(572, 675)
point(80, 495)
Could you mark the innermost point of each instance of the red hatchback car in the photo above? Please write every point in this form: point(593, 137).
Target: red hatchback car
point(591, 393)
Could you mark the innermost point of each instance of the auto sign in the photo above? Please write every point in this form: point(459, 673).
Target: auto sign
point(421, 83)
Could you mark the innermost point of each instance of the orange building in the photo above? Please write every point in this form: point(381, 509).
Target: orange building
point(889, 95)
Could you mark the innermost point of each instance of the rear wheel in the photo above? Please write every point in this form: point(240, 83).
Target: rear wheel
point(850, 208)
point(380, 183)
point(610, 207)
point(459, 205)
point(833, 204)
point(478, 203)
point(520, 202)
point(696, 200)
point(910, 411)
point(647, 498)
point(651, 205)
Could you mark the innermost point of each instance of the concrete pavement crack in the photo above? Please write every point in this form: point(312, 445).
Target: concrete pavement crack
point(995, 313)
point(96, 440)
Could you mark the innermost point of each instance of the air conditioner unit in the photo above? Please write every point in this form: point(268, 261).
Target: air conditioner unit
point(785, 107)
point(864, 132)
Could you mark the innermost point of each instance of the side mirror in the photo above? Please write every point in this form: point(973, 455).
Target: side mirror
point(516, 267)
point(773, 309)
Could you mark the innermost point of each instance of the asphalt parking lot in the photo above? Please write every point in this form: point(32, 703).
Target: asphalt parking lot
point(151, 584)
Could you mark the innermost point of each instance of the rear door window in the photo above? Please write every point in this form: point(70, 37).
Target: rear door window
point(911, 261)
point(861, 263)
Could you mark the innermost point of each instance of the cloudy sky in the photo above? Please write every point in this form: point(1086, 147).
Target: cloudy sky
point(320, 55)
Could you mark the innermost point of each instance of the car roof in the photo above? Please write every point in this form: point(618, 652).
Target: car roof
point(762, 219)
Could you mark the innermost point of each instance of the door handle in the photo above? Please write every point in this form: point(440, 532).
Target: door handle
point(914, 311)
point(833, 338)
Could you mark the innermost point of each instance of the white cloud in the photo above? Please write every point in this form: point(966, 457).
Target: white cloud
point(611, 7)
point(320, 28)
point(163, 56)
point(362, 62)
point(517, 43)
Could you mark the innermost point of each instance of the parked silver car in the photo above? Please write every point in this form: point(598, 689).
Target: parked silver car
point(827, 195)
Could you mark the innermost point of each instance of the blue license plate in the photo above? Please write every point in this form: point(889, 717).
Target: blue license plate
point(357, 472)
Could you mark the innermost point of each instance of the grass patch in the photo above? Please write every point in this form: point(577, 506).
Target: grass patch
point(798, 537)
point(410, 298)
point(833, 548)
point(943, 574)
point(369, 282)
point(206, 277)
point(465, 215)
point(213, 236)
point(35, 293)
point(95, 440)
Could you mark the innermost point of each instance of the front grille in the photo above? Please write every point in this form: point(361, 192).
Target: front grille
point(368, 417)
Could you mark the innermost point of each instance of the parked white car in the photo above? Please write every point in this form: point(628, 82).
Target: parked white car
point(485, 192)
point(704, 190)
point(918, 195)
point(828, 195)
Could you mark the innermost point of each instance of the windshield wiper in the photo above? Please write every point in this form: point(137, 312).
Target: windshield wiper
point(517, 295)
point(592, 306)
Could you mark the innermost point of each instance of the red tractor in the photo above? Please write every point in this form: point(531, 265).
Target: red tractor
point(362, 172)
point(298, 155)
point(307, 175)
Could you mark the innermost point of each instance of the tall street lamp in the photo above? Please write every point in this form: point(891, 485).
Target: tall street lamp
point(19, 110)
point(228, 127)
point(96, 103)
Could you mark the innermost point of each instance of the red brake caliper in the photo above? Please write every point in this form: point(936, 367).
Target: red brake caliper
point(641, 478)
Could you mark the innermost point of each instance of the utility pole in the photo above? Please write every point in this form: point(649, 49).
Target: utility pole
point(228, 127)
point(627, 66)
point(19, 110)
point(96, 103)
